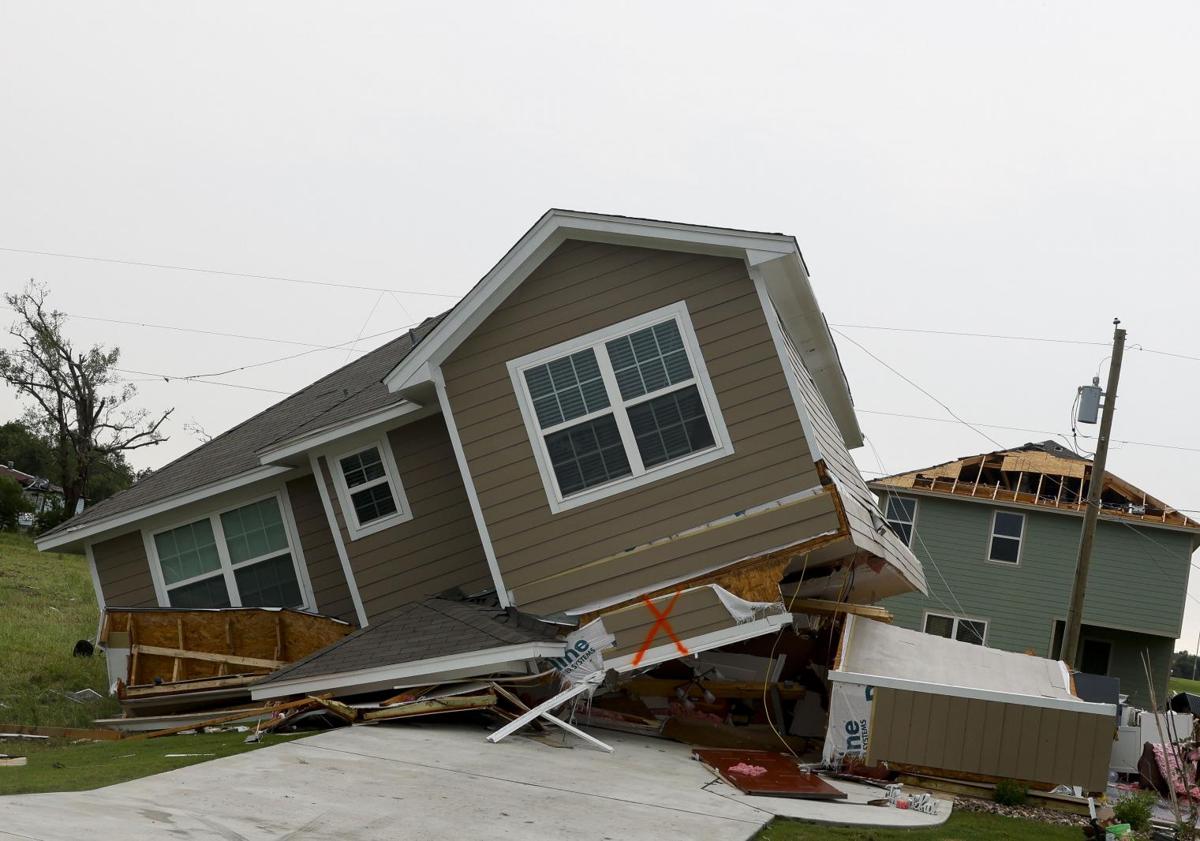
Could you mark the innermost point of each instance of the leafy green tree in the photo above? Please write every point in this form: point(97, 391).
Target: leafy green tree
point(13, 503)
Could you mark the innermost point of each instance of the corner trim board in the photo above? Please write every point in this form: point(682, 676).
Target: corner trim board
point(91, 559)
point(338, 543)
point(439, 382)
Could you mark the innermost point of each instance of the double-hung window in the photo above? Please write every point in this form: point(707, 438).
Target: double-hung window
point(619, 407)
point(369, 488)
point(242, 557)
point(973, 631)
point(902, 516)
point(1005, 543)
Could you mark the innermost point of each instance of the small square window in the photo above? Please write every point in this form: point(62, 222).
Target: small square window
point(368, 487)
point(939, 626)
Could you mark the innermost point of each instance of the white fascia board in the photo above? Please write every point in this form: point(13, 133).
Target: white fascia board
point(790, 290)
point(695, 645)
point(538, 243)
point(292, 447)
point(889, 682)
point(125, 518)
point(400, 671)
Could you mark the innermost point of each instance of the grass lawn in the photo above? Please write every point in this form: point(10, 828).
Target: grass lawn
point(1182, 684)
point(46, 604)
point(62, 766)
point(961, 826)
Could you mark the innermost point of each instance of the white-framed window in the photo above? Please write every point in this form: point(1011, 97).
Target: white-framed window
point(619, 407)
point(244, 556)
point(958, 628)
point(901, 515)
point(1008, 527)
point(369, 488)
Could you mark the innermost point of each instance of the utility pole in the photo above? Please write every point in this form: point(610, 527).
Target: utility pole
point(1079, 588)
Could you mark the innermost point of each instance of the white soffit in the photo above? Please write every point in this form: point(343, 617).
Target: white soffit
point(776, 254)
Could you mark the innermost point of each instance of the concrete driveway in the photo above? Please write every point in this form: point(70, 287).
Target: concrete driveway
point(415, 781)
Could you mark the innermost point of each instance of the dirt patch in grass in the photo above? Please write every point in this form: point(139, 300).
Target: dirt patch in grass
point(46, 605)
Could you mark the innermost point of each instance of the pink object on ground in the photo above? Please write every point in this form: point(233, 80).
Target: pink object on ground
point(747, 770)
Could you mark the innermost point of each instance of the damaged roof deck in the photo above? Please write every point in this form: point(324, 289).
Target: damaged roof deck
point(1046, 475)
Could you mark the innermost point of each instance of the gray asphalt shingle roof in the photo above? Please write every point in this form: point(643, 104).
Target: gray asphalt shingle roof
point(420, 631)
point(349, 391)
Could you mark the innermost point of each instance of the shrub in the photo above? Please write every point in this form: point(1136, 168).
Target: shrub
point(1135, 809)
point(1010, 793)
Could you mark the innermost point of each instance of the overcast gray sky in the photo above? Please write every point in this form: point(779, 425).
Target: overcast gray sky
point(1023, 169)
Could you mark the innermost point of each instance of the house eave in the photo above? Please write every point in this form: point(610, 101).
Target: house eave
point(298, 446)
point(69, 537)
point(398, 672)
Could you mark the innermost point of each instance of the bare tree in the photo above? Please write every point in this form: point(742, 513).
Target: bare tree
point(79, 400)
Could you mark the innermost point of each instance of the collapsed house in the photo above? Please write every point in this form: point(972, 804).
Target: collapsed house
point(620, 464)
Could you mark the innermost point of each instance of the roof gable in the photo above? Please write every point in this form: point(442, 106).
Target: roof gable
point(776, 257)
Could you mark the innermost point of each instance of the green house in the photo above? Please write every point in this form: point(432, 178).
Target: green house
point(998, 534)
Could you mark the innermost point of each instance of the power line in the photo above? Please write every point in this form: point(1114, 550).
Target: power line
point(153, 377)
point(223, 273)
point(217, 333)
point(1026, 429)
point(1044, 339)
point(918, 388)
point(288, 357)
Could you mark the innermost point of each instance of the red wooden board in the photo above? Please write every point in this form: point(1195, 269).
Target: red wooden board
point(784, 778)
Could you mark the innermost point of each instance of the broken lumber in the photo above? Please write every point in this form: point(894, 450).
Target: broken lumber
point(651, 687)
point(827, 606)
point(236, 715)
point(58, 732)
point(184, 654)
point(432, 706)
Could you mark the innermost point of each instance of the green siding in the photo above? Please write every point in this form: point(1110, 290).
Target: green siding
point(1138, 582)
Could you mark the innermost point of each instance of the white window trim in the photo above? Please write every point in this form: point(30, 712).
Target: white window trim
point(162, 589)
point(954, 627)
point(987, 554)
point(722, 446)
point(912, 524)
point(391, 475)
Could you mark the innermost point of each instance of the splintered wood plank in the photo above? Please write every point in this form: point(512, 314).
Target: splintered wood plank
point(783, 777)
point(235, 659)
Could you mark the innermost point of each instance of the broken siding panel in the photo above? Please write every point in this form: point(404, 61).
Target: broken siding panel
point(1133, 582)
point(329, 585)
point(439, 548)
point(695, 613)
point(124, 571)
point(533, 544)
point(990, 738)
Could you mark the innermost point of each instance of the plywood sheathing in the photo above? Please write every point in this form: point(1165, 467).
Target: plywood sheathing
point(177, 646)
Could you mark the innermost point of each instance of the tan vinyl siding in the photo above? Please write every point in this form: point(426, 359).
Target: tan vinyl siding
point(697, 612)
point(320, 552)
point(989, 738)
point(584, 287)
point(124, 571)
point(439, 548)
